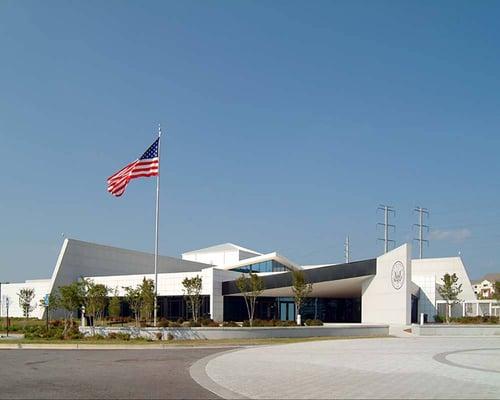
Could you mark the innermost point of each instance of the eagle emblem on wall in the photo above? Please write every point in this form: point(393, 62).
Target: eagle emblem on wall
point(398, 275)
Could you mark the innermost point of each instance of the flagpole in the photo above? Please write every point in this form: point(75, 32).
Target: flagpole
point(155, 311)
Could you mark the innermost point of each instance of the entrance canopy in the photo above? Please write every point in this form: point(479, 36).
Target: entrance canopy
point(333, 281)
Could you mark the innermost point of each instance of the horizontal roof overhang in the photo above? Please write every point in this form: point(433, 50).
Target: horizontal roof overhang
point(340, 279)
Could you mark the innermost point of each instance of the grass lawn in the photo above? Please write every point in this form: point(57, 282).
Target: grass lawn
point(174, 343)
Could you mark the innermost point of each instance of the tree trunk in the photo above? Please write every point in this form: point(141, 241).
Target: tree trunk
point(253, 308)
point(248, 310)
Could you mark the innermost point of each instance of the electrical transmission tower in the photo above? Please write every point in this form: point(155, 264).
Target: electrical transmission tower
point(347, 251)
point(421, 213)
point(387, 210)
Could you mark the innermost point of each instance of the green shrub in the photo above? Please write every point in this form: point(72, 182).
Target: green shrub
point(260, 323)
point(72, 334)
point(112, 335)
point(40, 332)
point(284, 323)
point(123, 336)
point(174, 324)
point(164, 323)
point(438, 319)
point(481, 319)
point(208, 322)
point(314, 322)
point(190, 324)
point(230, 324)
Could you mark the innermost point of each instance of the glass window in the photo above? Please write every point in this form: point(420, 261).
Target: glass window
point(265, 266)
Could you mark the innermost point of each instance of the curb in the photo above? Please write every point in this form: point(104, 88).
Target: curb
point(198, 373)
point(84, 346)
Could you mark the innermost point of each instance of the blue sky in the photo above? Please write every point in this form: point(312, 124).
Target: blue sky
point(287, 123)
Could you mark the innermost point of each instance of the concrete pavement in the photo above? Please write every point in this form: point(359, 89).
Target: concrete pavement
point(412, 367)
point(112, 374)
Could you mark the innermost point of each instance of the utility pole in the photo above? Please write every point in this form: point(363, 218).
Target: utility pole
point(421, 212)
point(347, 252)
point(387, 210)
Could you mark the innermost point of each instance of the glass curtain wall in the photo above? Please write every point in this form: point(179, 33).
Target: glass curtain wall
point(265, 266)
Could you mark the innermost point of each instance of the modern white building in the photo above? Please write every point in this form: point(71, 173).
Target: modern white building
point(391, 288)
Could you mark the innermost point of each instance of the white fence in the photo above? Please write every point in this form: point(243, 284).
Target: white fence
point(477, 308)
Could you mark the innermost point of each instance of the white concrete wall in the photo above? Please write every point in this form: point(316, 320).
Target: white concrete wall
point(427, 299)
point(437, 267)
point(171, 285)
point(215, 257)
point(10, 291)
point(244, 333)
point(428, 273)
point(381, 302)
point(168, 284)
point(216, 299)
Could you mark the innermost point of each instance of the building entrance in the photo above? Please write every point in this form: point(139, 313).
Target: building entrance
point(287, 310)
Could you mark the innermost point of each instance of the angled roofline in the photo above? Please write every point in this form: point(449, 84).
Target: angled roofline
point(215, 246)
point(263, 257)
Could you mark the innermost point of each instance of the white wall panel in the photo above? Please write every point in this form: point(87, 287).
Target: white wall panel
point(381, 302)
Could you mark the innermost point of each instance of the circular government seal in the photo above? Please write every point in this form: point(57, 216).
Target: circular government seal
point(398, 275)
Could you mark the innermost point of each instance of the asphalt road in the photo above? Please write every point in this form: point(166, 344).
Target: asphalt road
point(151, 373)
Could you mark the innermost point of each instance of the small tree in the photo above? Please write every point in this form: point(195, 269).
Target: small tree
point(134, 300)
point(192, 291)
point(251, 287)
point(301, 290)
point(449, 291)
point(496, 291)
point(114, 306)
point(147, 289)
point(53, 304)
point(71, 299)
point(26, 296)
point(95, 300)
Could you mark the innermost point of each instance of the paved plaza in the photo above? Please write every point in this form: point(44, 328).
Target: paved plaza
point(407, 367)
point(412, 367)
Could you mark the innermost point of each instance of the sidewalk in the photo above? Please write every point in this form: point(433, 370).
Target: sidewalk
point(400, 331)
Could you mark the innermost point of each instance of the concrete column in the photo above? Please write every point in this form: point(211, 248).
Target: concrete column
point(463, 309)
point(477, 309)
point(489, 313)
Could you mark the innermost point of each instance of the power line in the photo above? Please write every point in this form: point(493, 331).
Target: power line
point(387, 210)
point(421, 213)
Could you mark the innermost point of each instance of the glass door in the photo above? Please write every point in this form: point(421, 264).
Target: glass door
point(287, 311)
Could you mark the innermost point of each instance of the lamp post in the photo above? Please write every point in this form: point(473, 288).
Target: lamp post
point(46, 304)
point(7, 309)
point(1, 299)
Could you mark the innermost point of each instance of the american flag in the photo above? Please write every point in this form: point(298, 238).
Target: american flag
point(147, 165)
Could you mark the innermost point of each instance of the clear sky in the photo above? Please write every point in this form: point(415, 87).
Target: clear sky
point(286, 124)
